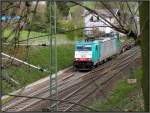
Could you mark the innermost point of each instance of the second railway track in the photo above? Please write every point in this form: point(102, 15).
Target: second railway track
point(72, 87)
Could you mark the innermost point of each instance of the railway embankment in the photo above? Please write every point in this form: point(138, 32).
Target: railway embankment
point(77, 89)
point(124, 95)
point(25, 75)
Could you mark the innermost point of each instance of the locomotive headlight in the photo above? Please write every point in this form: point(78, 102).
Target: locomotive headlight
point(77, 59)
point(89, 59)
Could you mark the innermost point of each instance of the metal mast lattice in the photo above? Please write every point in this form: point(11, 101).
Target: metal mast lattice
point(53, 58)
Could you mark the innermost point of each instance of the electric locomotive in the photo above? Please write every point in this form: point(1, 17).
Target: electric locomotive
point(89, 54)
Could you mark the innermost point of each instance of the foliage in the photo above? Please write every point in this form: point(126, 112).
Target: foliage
point(38, 56)
point(23, 34)
point(68, 25)
point(63, 8)
point(39, 23)
point(90, 4)
point(79, 33)
point(120, 99)
point(70, 29)
point(40, 40)
point(76, 13)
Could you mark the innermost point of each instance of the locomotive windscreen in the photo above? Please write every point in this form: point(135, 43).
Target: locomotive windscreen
point(84, 48)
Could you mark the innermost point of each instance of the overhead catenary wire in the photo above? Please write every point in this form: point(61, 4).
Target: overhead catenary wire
point(60, 32)
point(40, 37)
point(66, 101)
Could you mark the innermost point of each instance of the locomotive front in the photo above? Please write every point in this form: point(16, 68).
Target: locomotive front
point(83, 56)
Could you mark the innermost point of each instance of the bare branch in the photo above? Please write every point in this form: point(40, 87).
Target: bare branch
point(121, 5)
point(61, 32)
point(105, 5)
point(93, 11)
point(133, 17)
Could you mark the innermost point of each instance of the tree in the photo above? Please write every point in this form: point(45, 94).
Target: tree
point(144, 22)
point(63, 8)
point(122, 29)
point(143, 38)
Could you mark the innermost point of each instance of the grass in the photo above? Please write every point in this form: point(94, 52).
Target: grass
point(124, 96)
point(39, 56)
point(24, 34)
point(64, 52)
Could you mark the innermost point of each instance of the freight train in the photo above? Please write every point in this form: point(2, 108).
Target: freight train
point(90, 53)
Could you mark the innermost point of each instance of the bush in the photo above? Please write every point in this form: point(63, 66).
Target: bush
point(70, 27)
point(79, 33)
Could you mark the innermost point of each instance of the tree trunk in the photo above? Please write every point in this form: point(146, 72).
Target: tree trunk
point(144, 26)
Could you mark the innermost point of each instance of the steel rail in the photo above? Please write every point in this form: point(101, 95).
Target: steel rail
point(103, 83)
point(42, 90)
point(102, 68)
point(63, 89)
point(85, 85)
point(82, 98)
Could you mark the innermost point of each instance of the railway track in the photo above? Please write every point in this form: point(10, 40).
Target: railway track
point(65, 77)
point(77, 98)
point(35, 92)
point(72, 93)
point(72, 87)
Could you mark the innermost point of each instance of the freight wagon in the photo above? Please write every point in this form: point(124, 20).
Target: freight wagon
point(89, 54)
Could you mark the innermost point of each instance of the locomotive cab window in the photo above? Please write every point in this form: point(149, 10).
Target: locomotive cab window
point(83, 48)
